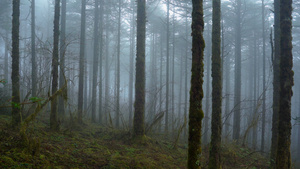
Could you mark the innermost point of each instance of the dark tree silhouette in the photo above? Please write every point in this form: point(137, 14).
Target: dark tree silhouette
point(196, 92)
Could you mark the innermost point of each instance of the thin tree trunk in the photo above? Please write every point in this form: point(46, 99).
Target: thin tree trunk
point(237, 74)
point(61, 105)
point(95, 61)
point(15, 75)
point(196, 93)
point(186, 74)
point(53, 115)
point(216, 118)
point(207, 92)
point(264, 80)
point(173, 75)
point(118, 68)
point(33, 53)
point(100, 63)
point(139, 113)
point(131, 72)
point(167, 70)
point(276, 83)
point(81, 62)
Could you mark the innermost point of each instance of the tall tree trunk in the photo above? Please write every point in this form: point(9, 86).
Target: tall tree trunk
point(173, 74)
point(61, 105)
point(264, 81)
point(237, 74)
point(283, 158)
point(15, 75)
point(81, 61)
point(131, 71)
point(186, 74)
point(118, 68)
point(216, 118)
point(95, 61)
point(53, 115)
point(167, 70)
point(161, 79)
point(196, 92)
point(139, 105)
point(255, 112)
point(100, 63)
point(33, 53)
point(276, 83)
point(207, 92)
point(6, 58)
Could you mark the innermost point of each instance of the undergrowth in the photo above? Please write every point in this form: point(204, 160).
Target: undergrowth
point(93, 146)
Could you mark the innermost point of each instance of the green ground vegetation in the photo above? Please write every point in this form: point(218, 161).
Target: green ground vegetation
point(92, 146)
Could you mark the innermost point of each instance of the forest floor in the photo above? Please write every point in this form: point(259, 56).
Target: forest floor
point(92, 146)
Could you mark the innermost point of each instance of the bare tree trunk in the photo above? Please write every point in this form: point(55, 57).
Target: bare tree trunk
point(196, 93)
point(167, 70)
point(216, 118)
point(81, 62)
point(118, 68)
point(207, 92)
point(54, 125)
point(237, 74)
point(283, 158)
point(33, 53)
point(186, 74)
point(100, 63)
point(264, 81)
point(139, 113)
point(15, 75)
point(61, 105)
point(131, 72)
point(95, 61)
point(173, 75)
point(255, 114)
point(276, 83)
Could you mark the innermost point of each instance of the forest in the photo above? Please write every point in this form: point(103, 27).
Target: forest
point(191, 84)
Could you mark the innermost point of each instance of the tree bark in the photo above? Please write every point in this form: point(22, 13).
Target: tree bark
point(167, 70)
point(139, 105)
point(283, 158)
point(276, 83)
point(61, 105)
point(95, 60)
point(54, 125)
point(237, 74)
point(196, 92)
point(131, 68)
point(81, 62)
point(15, 75)
point(33, 53)
point(118, 68)
point(264, 81)
point(216, 118)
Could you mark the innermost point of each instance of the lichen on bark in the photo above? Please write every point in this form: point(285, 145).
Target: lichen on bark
point(196, 91)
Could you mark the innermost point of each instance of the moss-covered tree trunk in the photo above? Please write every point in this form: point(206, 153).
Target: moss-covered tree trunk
point(53, 115)
point(283, 158)
point(216, 119)
point(15, 76)
point(196, 92)
point(81, 61)
point(139, 105)
point(276, 84)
